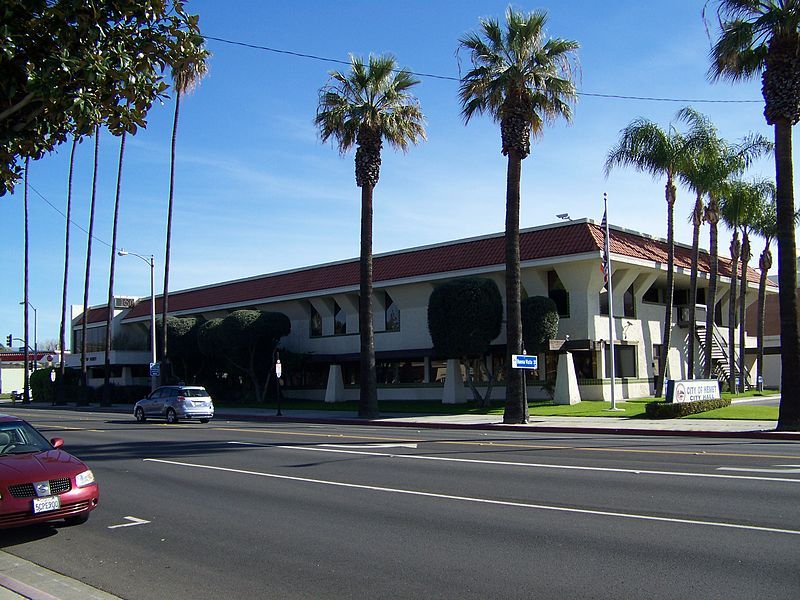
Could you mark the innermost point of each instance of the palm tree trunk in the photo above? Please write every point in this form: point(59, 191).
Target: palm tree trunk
point(26, 391)
point(696, 221)
point(765, 264)
point(711, 300)
point(670, 194)
point(516, 410)
point(735, 250)
point(165, 295)
point(110, 312)
point(368, 397)
point(742, 306)
point(84, 392)
point(62, 342)
point(789, 411)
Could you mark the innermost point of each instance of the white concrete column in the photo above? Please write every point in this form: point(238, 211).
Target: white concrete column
point(334, 392)
point(567, 391)
point(454, 392)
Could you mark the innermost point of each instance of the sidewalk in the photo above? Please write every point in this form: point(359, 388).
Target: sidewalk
point(603, 425)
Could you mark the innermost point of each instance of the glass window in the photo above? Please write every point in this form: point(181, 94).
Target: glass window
point(392, 314)
point(315, 323)
point(95, 339)
point(558, 293)
point(628, 303)
point(339, 320)
point(624, 361)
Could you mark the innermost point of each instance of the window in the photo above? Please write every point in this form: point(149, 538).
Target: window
point(624, 361)
point(95, 339)
point(654, 296)
point(315, 323)
point(628, 304)
point(391, 314)
point(339, 320)
point(558, 293)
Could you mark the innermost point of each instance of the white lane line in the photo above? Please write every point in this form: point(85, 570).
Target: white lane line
point(134, 521)
point(357, 446)
point(488, 501)
point(539, 465)
point(784, 469)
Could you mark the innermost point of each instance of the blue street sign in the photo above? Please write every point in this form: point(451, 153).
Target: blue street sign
point(524, 361)
point(155, 369)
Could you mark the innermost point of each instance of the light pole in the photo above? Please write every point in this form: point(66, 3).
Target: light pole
point(35, 335)
point(152, 263)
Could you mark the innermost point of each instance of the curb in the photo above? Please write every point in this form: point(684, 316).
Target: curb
point(769, 435)
point(572, 429)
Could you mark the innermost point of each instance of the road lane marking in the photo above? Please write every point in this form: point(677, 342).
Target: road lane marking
point(785, 469)
point(542, 465)
point(507, 444)
point(134, 521)
point(412, 446)
point(487, 501)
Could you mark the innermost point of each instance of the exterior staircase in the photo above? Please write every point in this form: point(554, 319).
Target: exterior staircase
point(720, 357)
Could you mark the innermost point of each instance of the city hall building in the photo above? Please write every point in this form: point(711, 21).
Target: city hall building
point(561, 261)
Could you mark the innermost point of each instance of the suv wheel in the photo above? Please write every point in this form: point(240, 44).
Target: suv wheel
point(139, 414)
point(172, 417)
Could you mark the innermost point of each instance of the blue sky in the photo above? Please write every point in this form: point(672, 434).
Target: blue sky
point(257, 192)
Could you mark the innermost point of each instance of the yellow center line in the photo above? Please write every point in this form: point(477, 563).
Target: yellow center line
point(506, 444)
point(67, 428)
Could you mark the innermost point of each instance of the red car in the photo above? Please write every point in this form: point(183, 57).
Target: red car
point(39, 482)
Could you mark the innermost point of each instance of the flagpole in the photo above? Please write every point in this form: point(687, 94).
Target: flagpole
point(607, 252)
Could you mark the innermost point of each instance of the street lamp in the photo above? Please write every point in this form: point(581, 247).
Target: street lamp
point(151, 262)
point(35, 341)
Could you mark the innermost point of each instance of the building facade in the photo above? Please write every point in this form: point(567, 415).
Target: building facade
point(561, 261)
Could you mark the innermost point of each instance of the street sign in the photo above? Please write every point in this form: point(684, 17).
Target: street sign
point(524, 361)
point(278, 369)
point(155, 369)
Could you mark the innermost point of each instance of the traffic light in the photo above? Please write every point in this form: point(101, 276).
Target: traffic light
point(9, 340)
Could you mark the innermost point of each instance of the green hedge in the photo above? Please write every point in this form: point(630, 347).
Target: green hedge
point(675, 410)
point(42, 389)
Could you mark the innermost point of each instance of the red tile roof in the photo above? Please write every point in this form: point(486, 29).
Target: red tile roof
point(97, 314)
point(574, 238)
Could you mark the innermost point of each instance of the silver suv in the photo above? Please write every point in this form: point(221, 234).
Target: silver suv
point(175, 402)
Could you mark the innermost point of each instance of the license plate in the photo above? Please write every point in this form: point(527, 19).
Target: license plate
point(45, 504)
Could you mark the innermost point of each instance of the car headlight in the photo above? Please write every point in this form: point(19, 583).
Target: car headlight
point(85, 478)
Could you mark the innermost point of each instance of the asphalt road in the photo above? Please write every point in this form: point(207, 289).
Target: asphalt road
point(238, 509)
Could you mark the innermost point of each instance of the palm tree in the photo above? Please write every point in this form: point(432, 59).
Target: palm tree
point(757, 193)
point(524, 81)
point(762, 37)
point(710, 163)
point(646, 147)
point(189, 67)
point(84, 392)
point(63, 325)
point(362, 108)
point(110, 310)
point(732, 211)
point(766, 227)
point(699, 176)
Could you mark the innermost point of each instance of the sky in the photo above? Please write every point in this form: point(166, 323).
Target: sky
point(257, 192)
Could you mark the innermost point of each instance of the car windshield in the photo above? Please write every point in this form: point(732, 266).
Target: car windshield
point(194, 392)
point(21, 438)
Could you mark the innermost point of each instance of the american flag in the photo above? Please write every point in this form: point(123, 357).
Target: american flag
point(604, 265)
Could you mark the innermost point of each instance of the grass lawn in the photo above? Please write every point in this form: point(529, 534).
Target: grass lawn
point(740, 411)
point(631, 408)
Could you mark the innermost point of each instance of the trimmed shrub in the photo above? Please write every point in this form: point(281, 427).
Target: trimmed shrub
point(675, 410)
point(539, 323)
point(42, 389)
point(464, 316)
